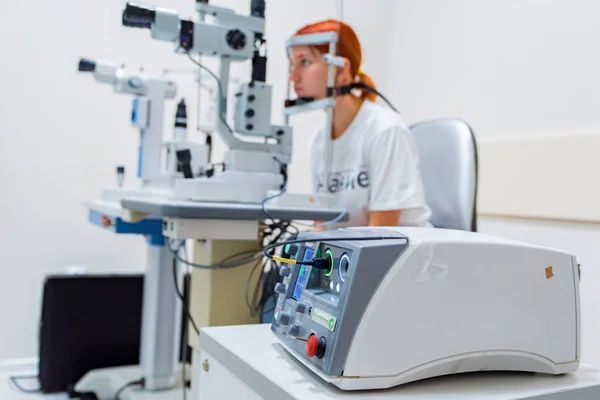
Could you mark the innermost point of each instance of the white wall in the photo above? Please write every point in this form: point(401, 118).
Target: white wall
point(63, 134)
point(508, 67)
point(515, 67)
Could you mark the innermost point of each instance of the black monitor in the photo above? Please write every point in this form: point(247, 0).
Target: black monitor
point(89, 322)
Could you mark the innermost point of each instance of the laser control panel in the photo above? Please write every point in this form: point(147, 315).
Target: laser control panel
point(318, 309)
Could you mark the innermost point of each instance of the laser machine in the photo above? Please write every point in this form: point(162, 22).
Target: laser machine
point(372, 308)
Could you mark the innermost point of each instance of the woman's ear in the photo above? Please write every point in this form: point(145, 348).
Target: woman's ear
point(344, 74)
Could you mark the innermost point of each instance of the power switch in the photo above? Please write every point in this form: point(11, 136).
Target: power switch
point(316, 347)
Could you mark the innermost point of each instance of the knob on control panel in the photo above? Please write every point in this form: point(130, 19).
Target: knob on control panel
point(295, 330)
point(283, 317)
point(301, 307)
point(285, 271)
point(280, 288)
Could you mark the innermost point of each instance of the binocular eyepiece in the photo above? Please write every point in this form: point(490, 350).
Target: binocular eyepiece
point(86, 65)
point(137, 15)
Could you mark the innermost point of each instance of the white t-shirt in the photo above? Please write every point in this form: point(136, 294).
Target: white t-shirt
point(374, 167)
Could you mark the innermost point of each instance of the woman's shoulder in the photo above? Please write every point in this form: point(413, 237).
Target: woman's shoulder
point(379, 119)
point(314, 139)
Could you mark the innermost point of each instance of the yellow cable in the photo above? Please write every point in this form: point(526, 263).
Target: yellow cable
point(284, 260)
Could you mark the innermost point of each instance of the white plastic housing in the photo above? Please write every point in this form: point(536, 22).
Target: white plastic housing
point(229, 186)
point(458, 302)
point(298, 200)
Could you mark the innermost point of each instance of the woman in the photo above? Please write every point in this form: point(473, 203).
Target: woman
point(374, 171)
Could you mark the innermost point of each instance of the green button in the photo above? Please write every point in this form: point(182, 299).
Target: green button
point(329, 257)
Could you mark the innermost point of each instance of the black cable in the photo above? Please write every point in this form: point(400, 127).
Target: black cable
point(14, 380)
point(281, 192)
point(251, 303)
point(183, 302)
point(272, 233)
point(282, 165)
point(326, 239)
point(347, 89)
point(373, 90)
point(184, 380)
point(220, 87)
point(128, 385)
point(189, 319)
point(223, 264)
point(255, 255)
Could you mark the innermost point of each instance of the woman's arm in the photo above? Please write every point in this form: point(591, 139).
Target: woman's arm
point(384, 218)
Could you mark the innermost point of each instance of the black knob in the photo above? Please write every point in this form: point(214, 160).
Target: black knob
point(251, 98)
point(284, 318)
point(295, 330)
point(322, 345)
point(280, 288)
point(301, 307)
point(236, 39)
point(249, 127)
point(249, 113)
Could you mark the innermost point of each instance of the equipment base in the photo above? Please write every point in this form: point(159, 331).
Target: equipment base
point(106, 382)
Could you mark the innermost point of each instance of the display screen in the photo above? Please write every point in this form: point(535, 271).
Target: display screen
point(303, 273)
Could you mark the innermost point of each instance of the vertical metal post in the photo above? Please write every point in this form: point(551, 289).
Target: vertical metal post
point(161, 318)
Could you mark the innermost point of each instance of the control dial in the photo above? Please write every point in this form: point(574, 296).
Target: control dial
point(280, 288)
point(283, 317)
point(285, 271)
point(301, 307)
point(236, 39)
point(295, 330)
point(343, 266)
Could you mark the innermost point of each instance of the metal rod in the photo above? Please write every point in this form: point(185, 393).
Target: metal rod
point(328, 133)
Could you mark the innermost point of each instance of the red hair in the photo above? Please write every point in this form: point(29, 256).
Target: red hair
point(348, 46)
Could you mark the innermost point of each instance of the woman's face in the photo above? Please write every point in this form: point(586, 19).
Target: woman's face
point(308, 72)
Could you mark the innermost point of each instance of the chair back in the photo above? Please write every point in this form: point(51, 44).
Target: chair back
point(448, 159)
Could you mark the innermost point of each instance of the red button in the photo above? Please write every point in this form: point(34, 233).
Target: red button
point(312, 344)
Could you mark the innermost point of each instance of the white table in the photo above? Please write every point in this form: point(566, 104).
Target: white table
point(247, 362)
point(218, 295)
